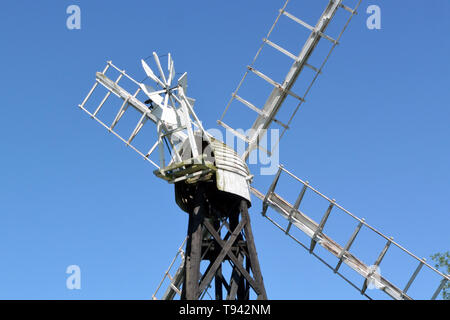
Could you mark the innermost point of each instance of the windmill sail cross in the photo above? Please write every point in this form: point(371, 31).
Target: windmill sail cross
point(215, 188)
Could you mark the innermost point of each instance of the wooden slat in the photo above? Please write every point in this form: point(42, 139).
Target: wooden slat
point(249, 104)
point(296, 205)
point(281, 49)
point(439, 289)
point(413, 277)
point(274, 83)
point(301, 22)
point(320, 227)
point(347, 246)
point(237, 134)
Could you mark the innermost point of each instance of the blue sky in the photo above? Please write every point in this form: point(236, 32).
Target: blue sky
point(374, 135)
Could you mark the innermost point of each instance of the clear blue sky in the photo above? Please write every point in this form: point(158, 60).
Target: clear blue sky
point(374, 135)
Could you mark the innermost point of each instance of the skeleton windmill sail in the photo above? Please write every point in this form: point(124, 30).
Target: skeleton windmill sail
point(211, 180)
point(266, 115)
point(178, 128)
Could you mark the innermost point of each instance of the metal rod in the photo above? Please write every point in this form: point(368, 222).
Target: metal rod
point(160, 145)
point(413, 277)
point(281, 49)
point(274, 83)
point(271, 189)
point(101, 103)
point(383, 252)
point(253, 256)
point(307, 26)
point(376, 264)
point(438, 290)
point(123, 72)
point(234, 132)
point(296, 206)
point(119, 115)
point(347, 8)
point(138, 127)
point(347, 246)
point(106, 96)
point(152, 148)
point(321, 225)
point(180, 251)
point(312, 68)
point(250, 105)
point(285, 126)
point(89, 94)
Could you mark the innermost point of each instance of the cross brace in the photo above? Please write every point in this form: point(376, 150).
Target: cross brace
point(221, 239)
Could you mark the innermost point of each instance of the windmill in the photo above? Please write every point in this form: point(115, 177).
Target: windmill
point(212, 180)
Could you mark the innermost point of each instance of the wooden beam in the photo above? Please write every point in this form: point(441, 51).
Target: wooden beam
point(194, 247)
point(253, 255)
point(226, 246)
